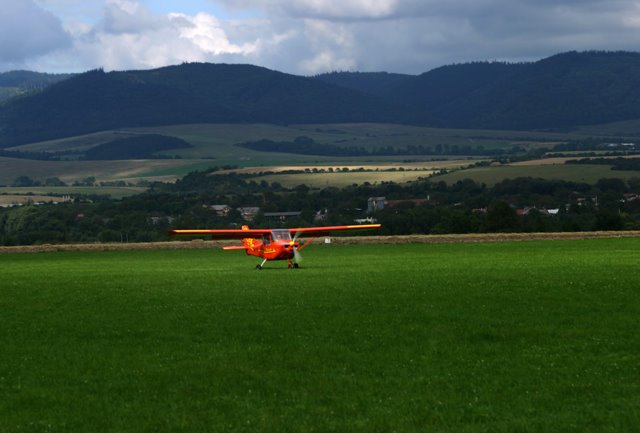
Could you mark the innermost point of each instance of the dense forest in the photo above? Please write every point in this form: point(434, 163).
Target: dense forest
point(564, 90)
point(16, 83)
point(136, 147)
point(188, 93)
point(428, 207)
point(561, 91)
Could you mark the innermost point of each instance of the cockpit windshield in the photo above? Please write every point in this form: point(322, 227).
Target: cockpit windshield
point(281, 235)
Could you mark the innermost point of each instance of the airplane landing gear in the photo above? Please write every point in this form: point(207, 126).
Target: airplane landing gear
point(293, 265)
point(259, 267)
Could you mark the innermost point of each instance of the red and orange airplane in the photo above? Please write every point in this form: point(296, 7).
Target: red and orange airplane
point(273, 244)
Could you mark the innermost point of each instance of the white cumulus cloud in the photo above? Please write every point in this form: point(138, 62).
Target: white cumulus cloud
point(307, 36)
point(131, 36)
point(205, 32)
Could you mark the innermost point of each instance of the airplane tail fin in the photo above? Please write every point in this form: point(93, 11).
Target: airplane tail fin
point(247, 242)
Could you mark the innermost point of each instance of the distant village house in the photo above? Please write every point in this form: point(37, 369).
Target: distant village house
point(248, 213)
point(219, 209)
point(376, 204)
point(282, 216)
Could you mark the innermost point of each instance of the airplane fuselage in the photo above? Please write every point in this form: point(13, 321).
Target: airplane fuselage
point(277, 246)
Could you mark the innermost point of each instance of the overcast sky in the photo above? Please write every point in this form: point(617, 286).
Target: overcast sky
point(305, 36)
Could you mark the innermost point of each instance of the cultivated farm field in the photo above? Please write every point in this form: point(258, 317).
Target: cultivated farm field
point(320, 180)
point(532, 336)
point(570, 172)
point(55, 193)
point(218, 141)
point(72, 171)
point(215, 145)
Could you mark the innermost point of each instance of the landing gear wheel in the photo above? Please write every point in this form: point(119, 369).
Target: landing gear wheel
point(258, 267)
point(296, 266)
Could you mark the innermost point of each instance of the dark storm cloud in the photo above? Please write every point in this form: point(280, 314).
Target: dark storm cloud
point(310, 36)
point(417, 35)
point(27, 30)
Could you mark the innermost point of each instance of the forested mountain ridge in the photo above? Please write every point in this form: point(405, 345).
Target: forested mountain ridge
point(375, 83)
point(561, 91)
point(188, 93)
point(557, 92)
point(15, 83)
point(564, 90)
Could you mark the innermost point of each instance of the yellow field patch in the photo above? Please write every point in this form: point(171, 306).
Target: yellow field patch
point(418, 165)
point(341, 179)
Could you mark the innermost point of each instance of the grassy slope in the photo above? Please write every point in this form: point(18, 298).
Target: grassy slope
point(113, 191)
point(531, 337)
point(218, 141)
point(368, 135)
point(576, 173)
point(70, 171)
point(80, 142)
point(627, 128)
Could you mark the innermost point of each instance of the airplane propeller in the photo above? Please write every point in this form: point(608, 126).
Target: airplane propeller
point(296, 253)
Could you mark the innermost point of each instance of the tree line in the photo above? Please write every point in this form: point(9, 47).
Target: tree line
point(427, 207)
point(615, 163)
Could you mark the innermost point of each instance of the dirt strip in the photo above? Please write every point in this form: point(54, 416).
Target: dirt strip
point(407, 239)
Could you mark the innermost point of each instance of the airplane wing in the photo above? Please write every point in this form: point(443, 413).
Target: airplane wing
point(303, 232)
point(258, 233)
point(224, 233)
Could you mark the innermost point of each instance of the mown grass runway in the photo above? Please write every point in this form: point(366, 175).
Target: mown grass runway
point(536, 336)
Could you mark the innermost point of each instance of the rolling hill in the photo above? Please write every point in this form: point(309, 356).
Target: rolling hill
point(188, 93)
point(559, 92)
point(15, 83)
point(375, 83)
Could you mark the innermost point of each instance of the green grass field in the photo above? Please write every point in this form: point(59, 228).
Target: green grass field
point(115, 192)
point(80, 142)
point(569, 172)
point(215, 145)
point(218, 140)
point(71, 171)
point(536, 336)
